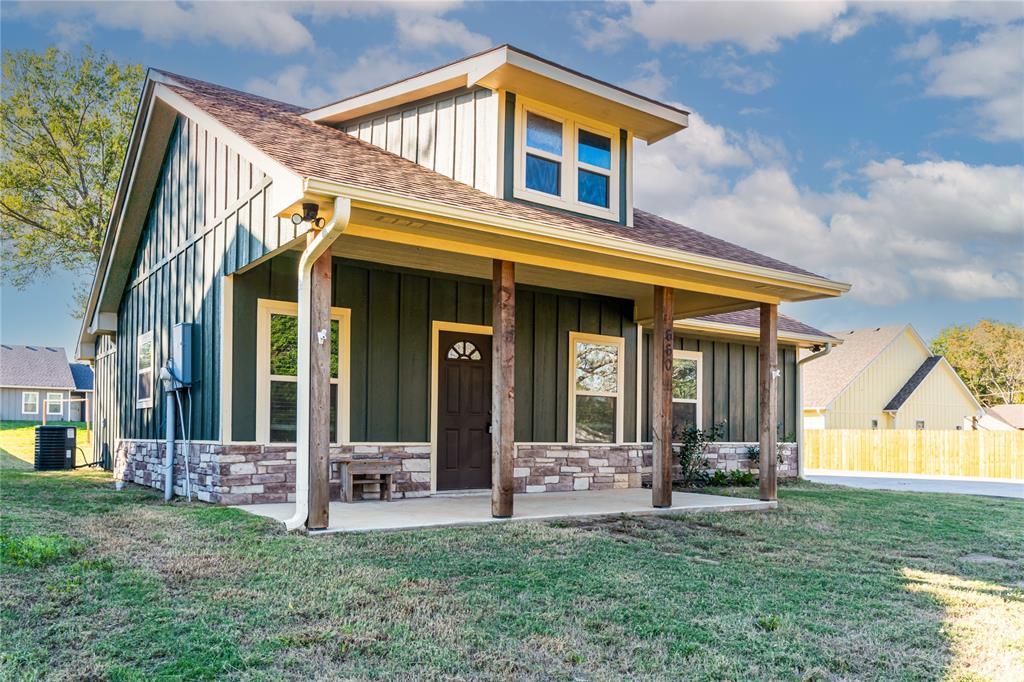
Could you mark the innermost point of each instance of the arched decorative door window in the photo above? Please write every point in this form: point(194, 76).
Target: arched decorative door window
point(463, 350)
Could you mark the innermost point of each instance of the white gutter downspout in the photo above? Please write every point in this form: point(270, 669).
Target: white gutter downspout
point(800, 462)
point(316, 246)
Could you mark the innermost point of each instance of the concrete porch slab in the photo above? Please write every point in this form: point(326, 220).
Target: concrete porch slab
point(467, 510)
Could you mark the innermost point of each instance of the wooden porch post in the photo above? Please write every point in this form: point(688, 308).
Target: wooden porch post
point(503, 390)
point(319, 393)
point(661, 396)
point(768, 399)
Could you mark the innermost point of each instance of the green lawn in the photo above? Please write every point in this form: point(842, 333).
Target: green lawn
point(18, 439)
point(836, 584)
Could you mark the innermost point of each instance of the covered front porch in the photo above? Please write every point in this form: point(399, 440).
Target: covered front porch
point(594, 363)
point(474, 508)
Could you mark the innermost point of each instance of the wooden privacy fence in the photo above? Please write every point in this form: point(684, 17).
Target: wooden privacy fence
point(983, 454)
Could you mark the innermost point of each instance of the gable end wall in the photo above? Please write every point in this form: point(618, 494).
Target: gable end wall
point(207, 218)
point(866, 395)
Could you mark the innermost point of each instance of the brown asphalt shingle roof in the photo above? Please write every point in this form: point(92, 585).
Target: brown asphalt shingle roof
point(752, 318)
point(319, 151)
point(825, 378)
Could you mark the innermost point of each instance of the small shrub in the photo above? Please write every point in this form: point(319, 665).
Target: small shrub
point(693, 444)
point(719, 478)
point(768, 623)
point(742, 478)
point(754, 451)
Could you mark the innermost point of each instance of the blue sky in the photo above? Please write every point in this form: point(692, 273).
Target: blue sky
point(879, 144)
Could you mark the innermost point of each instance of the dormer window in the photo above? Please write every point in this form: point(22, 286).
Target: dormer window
point(543, 154)
point(594, 165)
point(566, 162)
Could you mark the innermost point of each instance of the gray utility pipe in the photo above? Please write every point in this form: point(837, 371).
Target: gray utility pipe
point(169, 415)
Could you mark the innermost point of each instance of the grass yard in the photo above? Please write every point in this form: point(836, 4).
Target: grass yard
point(835, 585)
point(18, 439)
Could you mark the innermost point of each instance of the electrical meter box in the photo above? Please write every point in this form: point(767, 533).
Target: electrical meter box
point(181, 352)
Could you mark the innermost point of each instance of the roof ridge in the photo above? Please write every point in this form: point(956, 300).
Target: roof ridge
point(180, 77)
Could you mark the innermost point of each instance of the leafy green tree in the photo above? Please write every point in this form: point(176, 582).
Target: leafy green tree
point(65, 125)
point(989, 357)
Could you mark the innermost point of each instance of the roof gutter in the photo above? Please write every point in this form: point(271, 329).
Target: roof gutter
point(801, 462)
point(317, 246)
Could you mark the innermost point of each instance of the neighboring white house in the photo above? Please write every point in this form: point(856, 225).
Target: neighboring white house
point(38, 382)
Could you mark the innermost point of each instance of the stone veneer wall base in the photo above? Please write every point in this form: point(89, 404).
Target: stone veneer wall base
point(241, 473)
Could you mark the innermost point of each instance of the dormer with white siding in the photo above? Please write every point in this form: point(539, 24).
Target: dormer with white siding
point(515, 126)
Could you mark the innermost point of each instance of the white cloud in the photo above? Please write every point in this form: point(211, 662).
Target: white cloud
point(291, 85)
point(375, 67)
point(763, 26)
point(756, 26)
point(271, 27)
point(275, 27)
point(419, 29)
point(681, 168)
point(736, 76)
point(297, 84)
point(971, 11)
point(989, 70)
point(934, 229)
point(649, 80)
point(926, 46)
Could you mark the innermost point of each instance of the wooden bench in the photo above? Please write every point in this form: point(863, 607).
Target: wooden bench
point(358, 474)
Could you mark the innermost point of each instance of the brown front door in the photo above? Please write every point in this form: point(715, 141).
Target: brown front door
point(463, 411)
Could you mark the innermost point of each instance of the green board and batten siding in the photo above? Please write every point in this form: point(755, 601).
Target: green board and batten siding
point(730, 387)
point(207, 217)
point(392, 314)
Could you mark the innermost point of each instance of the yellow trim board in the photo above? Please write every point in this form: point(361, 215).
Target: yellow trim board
point(429, 211)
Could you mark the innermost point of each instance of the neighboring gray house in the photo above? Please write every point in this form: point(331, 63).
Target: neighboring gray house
point(34, 379)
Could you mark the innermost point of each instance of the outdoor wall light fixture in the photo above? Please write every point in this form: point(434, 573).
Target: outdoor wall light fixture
point(308, 215)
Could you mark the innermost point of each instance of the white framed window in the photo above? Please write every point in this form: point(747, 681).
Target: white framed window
point(566, 162)
point(687, 391)
point(594, 183)
point(29, 402)
point(277, 361)
point(874, 424)
point(919, 425)
point(54, 404)
point(144, 371)
point(596, 387)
